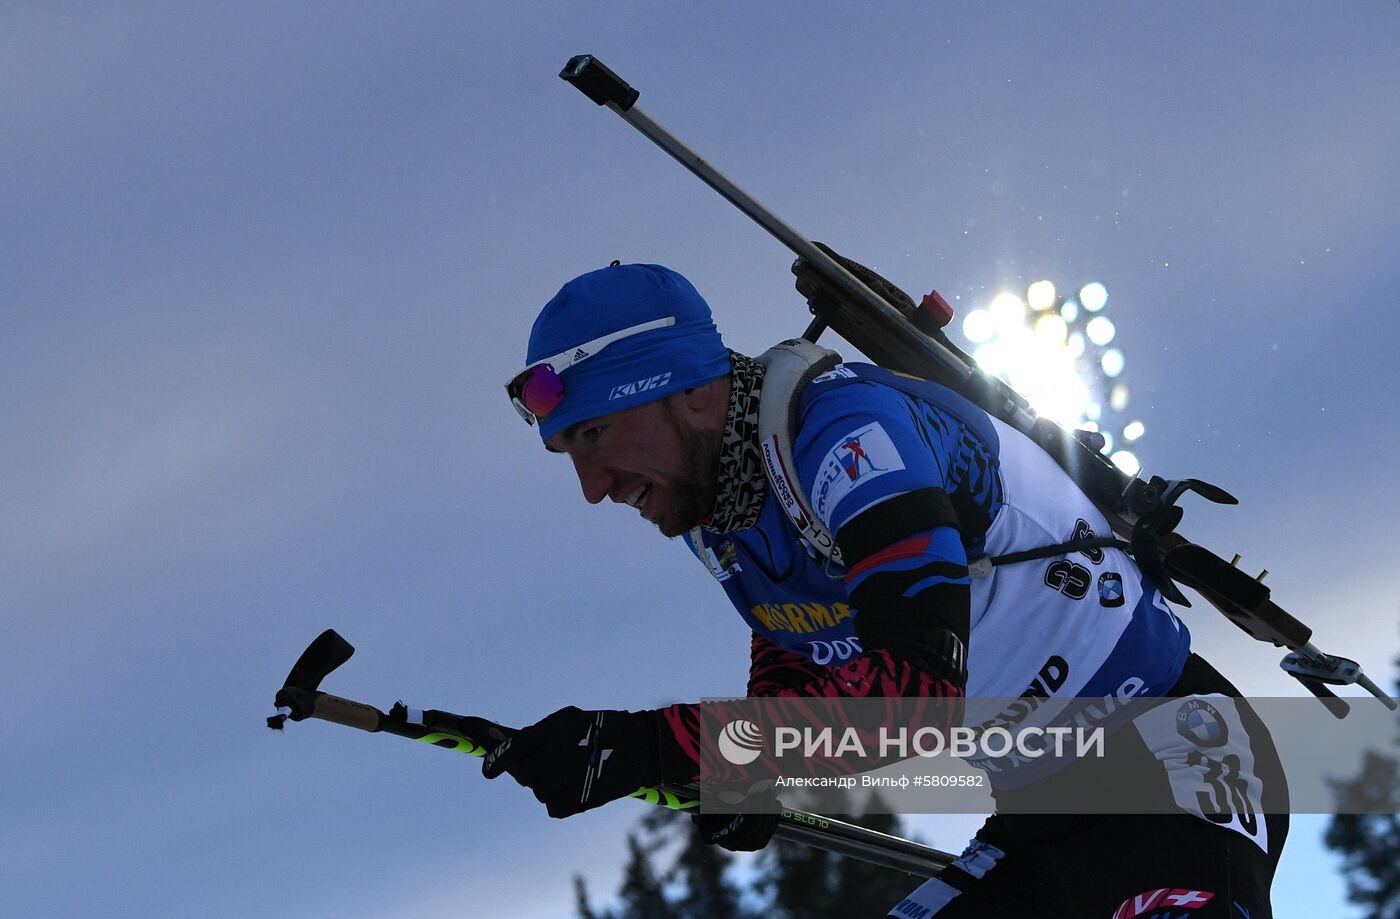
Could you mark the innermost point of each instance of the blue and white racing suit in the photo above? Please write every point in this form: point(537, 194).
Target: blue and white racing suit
point(1082, 624)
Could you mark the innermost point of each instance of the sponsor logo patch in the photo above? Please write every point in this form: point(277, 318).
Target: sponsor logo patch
point(800, 618)
point(639, 386)
point(978, 858)
point(1047, 682)
point(1199, 722)
point(911, 909)
point(839, 372)
point(723, 560)
point(864, 454)
point(830, 652)
point(1110, 589)
point(1163, 898)
point(779, 481)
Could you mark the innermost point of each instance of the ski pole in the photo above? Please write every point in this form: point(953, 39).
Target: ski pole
point(301, 698)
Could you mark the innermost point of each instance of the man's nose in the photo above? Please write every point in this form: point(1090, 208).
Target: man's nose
point(594, 478)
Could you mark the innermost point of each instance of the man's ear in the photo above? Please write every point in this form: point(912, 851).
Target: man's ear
point(708, 403)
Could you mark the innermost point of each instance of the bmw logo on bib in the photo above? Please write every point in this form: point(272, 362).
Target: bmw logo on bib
point(1199, 722)
point(1110, 589)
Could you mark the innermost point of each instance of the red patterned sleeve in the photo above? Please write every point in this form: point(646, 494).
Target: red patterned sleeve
point(773, 669)
point(874, 674)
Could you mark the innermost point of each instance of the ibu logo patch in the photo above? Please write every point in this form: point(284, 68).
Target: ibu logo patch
point(864, 454)
point(639, 386)
point(839, 372)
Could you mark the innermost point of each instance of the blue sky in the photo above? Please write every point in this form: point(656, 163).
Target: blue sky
point(264, 267)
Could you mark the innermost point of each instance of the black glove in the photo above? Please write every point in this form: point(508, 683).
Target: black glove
point(575, 760)
point(736, 832)
point(745, 832)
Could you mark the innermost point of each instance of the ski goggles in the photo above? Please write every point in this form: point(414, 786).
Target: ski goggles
point(539, 388)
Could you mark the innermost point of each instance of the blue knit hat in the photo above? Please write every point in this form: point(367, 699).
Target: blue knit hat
point(637, 369)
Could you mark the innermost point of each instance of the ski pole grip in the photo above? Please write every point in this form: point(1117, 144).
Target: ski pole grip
point(590, 77)
point(326, 707)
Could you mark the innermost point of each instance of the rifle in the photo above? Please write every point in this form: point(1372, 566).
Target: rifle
point(888, 327)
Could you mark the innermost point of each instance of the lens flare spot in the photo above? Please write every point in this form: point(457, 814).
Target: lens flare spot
point(1008, 311)
point(1119, 396)
point(1051, 330)
point(989, 358)
point(1100, 330)
point(979, 326)
point(1112, 362)
point(1041, 295)
point(1126, 461)
point(1094, 296)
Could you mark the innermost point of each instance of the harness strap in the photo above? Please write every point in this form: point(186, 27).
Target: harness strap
point(787, 369)
point(981, 567)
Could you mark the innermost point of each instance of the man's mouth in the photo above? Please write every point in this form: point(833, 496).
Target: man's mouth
point(638, 498)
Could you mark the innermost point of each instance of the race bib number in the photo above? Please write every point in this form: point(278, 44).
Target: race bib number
point(1206, 751)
